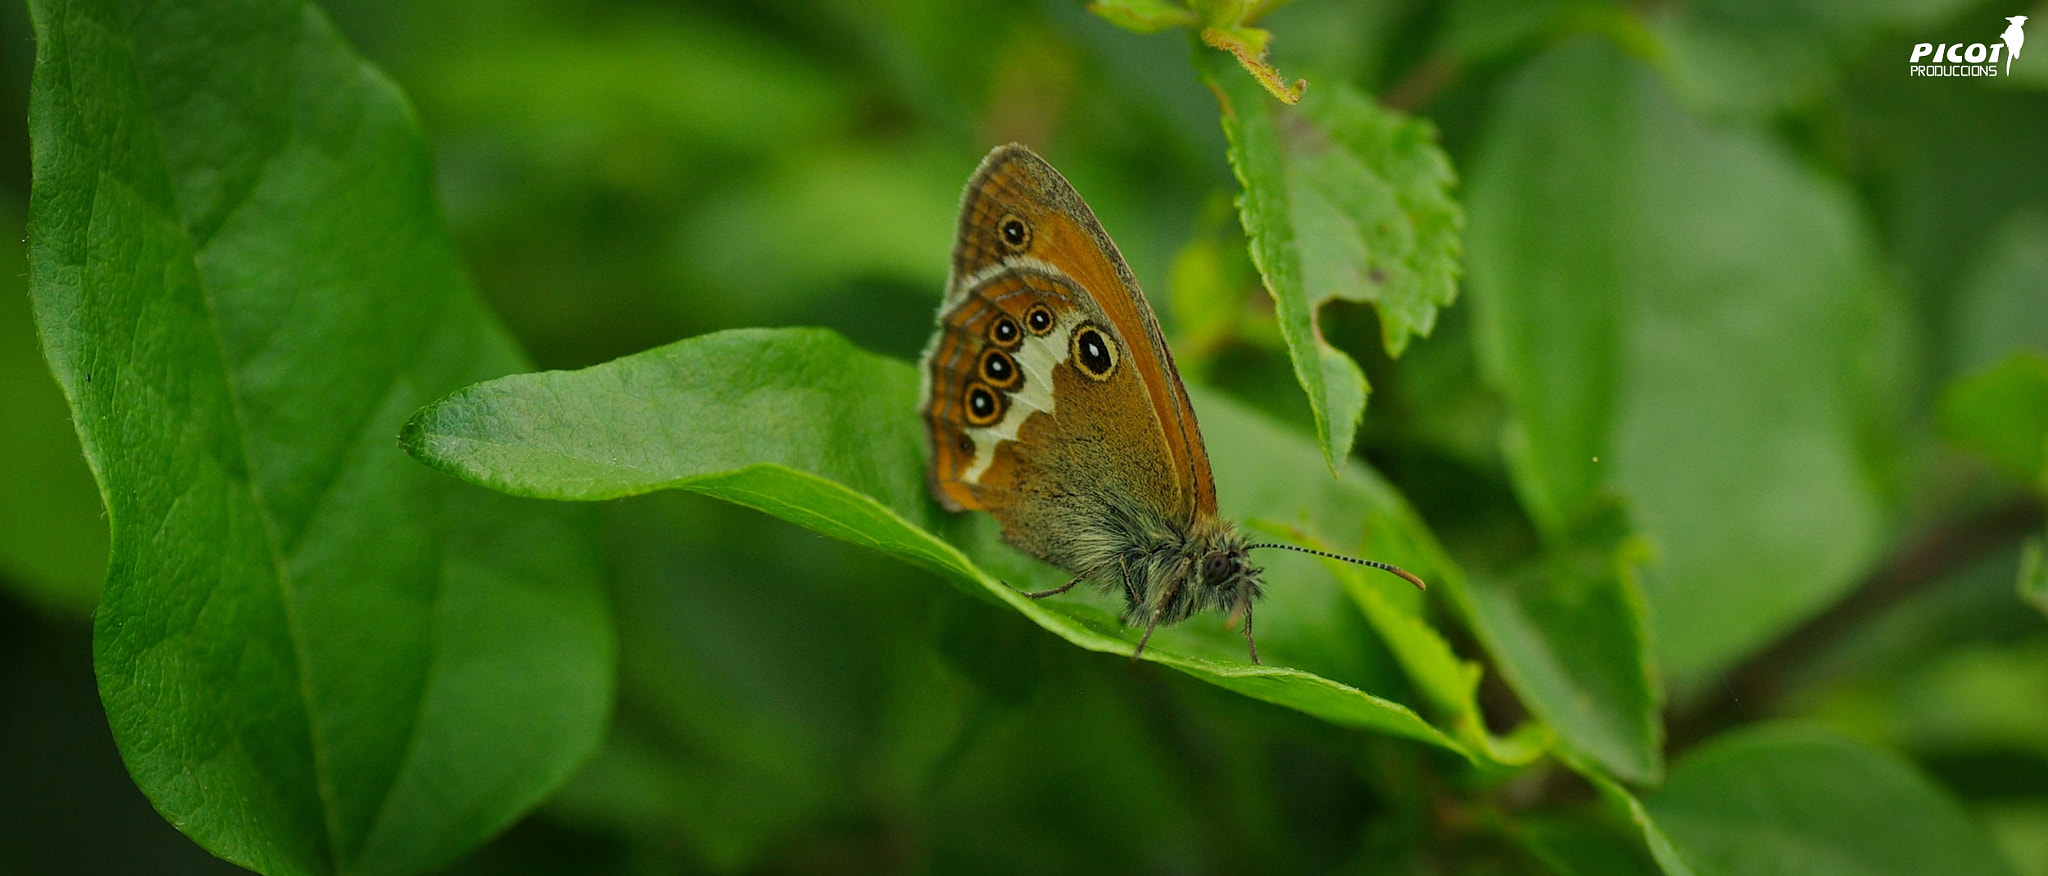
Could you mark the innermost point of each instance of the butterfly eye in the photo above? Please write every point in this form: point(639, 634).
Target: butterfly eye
point(1003, 331)
point(1216, 568)
point(1093, 353)
point(1000, 370)
point(984, 407)
point(1016, 235)
point(1038, 319)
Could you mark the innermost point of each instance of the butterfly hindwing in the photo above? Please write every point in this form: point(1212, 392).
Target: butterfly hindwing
point(988, 371)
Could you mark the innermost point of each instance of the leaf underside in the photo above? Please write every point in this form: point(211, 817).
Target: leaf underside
point(804, 426)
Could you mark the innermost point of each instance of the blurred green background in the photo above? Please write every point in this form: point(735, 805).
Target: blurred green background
point(622, 174)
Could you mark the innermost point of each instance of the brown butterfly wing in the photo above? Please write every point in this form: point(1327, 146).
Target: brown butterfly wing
point(1027, 241)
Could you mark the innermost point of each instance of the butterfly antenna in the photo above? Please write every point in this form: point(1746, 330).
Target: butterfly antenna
point(1384, 567)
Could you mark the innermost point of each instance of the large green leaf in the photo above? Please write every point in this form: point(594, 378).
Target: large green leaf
point(1684, 316)
point(803, 425)
point(316, 656)
point(1796, 799)
point(1342, 198)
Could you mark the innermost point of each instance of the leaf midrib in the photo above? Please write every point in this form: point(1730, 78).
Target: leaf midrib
point(280, 555)
point(243, 473)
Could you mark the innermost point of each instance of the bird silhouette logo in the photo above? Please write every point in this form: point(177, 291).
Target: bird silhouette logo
point(2014, 38)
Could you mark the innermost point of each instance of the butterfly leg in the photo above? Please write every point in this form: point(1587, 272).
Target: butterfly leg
point(1166, 597)
point(1041, 594)
point(1254, 646)
point(1146, 638)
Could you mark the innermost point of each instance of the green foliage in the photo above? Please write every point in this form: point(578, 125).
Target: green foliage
point(1568, 632)
point(1654, 839)
point(1682, 317)
point(1726, 810)
point(1343, 199)
point(1755, 321)
point(315, 657)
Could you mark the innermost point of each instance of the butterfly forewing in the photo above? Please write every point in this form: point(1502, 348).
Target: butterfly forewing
point(1026, 241)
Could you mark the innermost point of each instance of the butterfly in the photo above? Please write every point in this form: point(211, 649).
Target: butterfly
point(1053, 404)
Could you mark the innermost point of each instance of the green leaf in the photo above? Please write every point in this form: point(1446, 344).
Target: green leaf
point(1448, 682)
point(1358, 501)
point(1654, 838)
point(804, 426)
point(1568, 636)
point(1344, 199)
point(316, 656)
point(53, 535)
point(2002, 413)
point(1801, 799)
point(1687, 318)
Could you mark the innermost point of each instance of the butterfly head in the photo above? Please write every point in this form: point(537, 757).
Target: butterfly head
point(1221, 571)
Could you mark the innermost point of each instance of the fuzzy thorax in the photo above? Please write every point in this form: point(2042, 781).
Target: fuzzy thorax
point(1175, 575)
